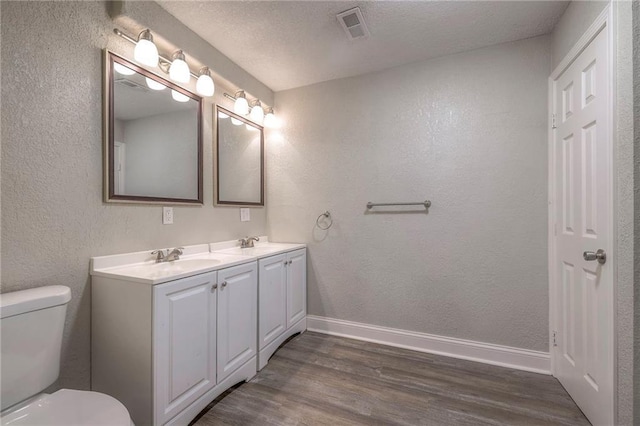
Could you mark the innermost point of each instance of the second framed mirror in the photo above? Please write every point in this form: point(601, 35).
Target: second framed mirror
point(239, 156)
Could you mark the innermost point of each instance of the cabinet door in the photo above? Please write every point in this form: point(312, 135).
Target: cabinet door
point(296, 286)
point(272, 298)
point(237, 319)
point(184, 335)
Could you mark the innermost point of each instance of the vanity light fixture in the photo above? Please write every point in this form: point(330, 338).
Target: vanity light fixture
point(147, 54)
point(257, 113)
point(121, 69)
point(179, 70)
point(241, 106)
point(205, 85)
point(179, 97)
point(146, 51)
point(270, 118)
point(154, 85)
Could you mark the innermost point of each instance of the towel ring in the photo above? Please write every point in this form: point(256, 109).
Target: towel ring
point(326, 215)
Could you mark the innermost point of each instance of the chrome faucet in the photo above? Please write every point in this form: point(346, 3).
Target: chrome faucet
point(170, 256)
point(247, 242)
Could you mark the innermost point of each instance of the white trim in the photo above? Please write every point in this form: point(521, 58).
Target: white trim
point(604, 22)
point(487, 353)
point(601, 21)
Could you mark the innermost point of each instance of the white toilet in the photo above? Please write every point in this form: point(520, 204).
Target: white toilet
point(31, 324)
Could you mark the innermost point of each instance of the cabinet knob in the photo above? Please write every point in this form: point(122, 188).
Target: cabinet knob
point(224, 284)
point(285, 263)
point(214, 287)
point(290, 262)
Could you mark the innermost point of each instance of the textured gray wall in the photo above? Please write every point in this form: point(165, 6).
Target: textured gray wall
point(636, 156)
point(469, 132)
point(53, 217)
point(575, 21)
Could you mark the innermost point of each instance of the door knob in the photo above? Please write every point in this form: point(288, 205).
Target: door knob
point(599, 255)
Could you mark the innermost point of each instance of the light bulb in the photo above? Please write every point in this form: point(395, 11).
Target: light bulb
point(241, 106)
point(154, 85)
point(235, 121)
point(270, 119)
point(179, 97)
point(179, 70)
point(222, 115)
point(251, 128)
point(146, 51)
point(121, 69)
point(257, 113)
point(205, 85)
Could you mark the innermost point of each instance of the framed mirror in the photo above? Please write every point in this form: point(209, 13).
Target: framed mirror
point(152, 137)
point(239, 160)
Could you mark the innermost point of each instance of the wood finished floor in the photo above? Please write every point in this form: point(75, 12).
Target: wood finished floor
point(316, 379)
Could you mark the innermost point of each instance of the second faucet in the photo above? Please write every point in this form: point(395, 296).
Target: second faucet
point(247, 242)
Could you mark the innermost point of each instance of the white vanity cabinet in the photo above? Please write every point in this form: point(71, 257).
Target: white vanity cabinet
point(237, 317)
point(168, 338)
point(167, 350)
point(184, 322)
point(273, 298)
point(282, 300)
point(296, 286)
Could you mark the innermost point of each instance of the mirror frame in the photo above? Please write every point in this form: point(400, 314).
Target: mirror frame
point(217, 155)
point(108, 134)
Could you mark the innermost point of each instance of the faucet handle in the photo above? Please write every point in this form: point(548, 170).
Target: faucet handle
point(159, 253)
point(179, 250)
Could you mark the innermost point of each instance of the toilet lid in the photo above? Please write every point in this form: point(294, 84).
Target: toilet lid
point(71, 407)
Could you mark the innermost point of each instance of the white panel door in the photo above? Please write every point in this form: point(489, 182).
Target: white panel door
point(296, 286)
point(237, 319)
point(272, 298)
point(184, 343)
point(583, 357)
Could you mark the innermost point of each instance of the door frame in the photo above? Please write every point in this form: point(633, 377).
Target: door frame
point(604, 22)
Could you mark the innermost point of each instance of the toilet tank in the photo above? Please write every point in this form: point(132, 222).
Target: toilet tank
point(31, 324)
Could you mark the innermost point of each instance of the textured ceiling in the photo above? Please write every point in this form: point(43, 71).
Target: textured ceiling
point(287, 44)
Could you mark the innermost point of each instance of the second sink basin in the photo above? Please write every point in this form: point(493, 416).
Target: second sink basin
point(259, 250)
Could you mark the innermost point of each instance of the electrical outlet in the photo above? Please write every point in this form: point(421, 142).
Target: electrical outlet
point(245, 214)
point(167, 215)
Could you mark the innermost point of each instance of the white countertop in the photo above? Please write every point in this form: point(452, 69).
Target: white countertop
point(141, 266)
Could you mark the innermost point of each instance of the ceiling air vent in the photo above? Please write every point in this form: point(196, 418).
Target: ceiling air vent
point(353, 24)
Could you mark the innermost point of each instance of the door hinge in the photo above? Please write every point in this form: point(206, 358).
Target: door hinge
point(555, 335)
point(553, 121)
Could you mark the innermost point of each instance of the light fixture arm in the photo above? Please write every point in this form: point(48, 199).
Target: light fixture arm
point(251, 102)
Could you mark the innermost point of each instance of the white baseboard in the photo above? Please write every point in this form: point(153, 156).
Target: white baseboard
point(503, 356)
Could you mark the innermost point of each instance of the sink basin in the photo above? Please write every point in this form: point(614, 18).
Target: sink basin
point(160, 270)
point(257, 251)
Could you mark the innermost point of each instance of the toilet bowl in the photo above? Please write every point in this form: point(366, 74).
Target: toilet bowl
point(31, 325)
point(70, 408)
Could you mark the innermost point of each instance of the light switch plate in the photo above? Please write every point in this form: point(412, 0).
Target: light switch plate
point(167, 215)
point(245, 214)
